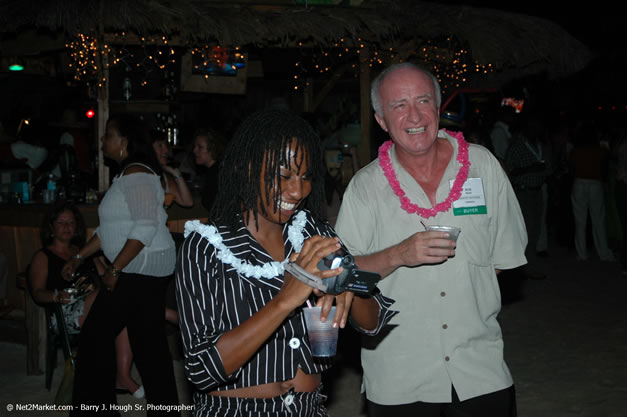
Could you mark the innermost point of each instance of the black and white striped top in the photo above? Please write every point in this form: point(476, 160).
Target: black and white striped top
point(213, 299)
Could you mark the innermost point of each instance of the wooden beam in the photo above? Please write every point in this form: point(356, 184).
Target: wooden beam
point(102, 117)
point(308, 98)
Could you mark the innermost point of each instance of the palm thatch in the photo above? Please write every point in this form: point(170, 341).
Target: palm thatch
point(505, 39)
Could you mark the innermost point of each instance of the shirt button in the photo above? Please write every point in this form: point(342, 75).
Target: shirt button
point(289, 399)
point(445, 326)
point(442, 294)
point(294, 343)
point(446, 358)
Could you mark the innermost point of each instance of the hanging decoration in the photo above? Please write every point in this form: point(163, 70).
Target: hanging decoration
point(217, 60)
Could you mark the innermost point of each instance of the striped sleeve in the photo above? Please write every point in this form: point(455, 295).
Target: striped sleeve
point(385, 314)
point(196, 290)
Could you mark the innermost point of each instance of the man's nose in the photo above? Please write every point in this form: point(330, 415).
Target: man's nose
point(413, 114)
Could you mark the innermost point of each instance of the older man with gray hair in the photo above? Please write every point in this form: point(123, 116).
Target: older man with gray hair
point(444, 352)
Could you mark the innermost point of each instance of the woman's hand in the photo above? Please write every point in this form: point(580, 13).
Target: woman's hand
point(295, 292)
point(110, 278)
point(70, 267)
point(176, 173)
point(343, 304)
point(62, 297)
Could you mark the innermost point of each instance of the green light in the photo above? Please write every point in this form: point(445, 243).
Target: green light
point(16, 67)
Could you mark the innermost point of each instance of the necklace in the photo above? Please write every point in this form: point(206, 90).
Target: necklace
point(224, 254)
point(456, 189)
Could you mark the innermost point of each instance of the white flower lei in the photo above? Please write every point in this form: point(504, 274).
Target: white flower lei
point(224, 254)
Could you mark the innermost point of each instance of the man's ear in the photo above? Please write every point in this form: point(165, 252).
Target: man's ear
point(381, 122)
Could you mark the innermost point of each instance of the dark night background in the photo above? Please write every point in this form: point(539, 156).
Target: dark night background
point(600, 26)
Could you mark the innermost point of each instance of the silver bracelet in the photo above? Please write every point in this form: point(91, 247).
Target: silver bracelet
point(114, 271)
point(78, 257)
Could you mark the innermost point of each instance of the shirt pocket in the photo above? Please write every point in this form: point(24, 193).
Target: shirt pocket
point(475, 242)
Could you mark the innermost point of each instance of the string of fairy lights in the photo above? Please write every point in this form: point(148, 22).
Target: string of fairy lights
point(448, 59)
point(89, 57)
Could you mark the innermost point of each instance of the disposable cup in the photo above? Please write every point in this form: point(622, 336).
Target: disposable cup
point(322, 335)
point(452, 231)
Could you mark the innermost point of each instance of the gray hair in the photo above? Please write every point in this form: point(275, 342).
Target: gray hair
point(376, 84)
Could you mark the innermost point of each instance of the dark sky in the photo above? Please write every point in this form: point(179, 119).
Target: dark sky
point(598, 23)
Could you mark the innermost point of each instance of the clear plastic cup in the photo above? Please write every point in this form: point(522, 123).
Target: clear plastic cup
point(322, 335)
point(452, 231)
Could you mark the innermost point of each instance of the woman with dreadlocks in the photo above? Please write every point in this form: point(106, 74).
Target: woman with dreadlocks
point(246, 347)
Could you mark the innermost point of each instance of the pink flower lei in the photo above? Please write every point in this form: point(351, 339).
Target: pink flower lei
point(456, 189)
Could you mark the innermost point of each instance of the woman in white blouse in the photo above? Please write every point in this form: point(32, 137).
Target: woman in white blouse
point(135, 240)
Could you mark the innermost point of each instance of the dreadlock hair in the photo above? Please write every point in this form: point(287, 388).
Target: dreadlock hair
point(139, 143)
point(262, 143)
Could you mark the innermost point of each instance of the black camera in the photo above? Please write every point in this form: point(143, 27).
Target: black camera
point(351, 278)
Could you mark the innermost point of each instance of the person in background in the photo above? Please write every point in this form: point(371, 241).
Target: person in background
point(502, 131)
point(62, 233)
point(26, 149)
point(444, 352)
point(242, 324)
point(619, 148)
point(208, 149)
point(529, 163)
point(174, 185)
point(589, 162)
point(176, 191)
point(140, 252)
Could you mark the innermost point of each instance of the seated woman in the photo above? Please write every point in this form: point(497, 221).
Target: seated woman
point(241, 315)
point(62, 233)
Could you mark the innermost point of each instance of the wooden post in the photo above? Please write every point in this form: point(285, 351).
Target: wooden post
point(101, 122)
point(103, 103)
point(364, 101)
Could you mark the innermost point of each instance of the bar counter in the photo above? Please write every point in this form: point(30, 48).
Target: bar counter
point(19, 234)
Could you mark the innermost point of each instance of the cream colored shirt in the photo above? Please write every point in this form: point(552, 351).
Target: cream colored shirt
point(447, 330)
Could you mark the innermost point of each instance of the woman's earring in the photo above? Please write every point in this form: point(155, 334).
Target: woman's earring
point(121, 152)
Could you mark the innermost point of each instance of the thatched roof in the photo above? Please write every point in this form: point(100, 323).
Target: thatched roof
point(506, 39)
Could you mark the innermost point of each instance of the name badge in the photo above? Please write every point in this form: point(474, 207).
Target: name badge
point(472, 200)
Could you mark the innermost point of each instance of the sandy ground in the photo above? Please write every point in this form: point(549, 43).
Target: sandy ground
point(565, 343)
